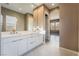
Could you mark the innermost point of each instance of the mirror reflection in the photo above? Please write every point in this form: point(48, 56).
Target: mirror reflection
point(10, 23)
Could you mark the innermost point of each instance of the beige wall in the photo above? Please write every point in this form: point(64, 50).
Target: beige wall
point(69, 26)
point(28, 22)
point(38, 15)
point(78, 28)
point(54, 14)
point(39, 18)
point(20, 18)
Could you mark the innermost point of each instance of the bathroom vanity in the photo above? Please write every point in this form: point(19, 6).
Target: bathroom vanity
point(19, 43)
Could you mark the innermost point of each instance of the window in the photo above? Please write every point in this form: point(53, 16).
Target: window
point(55, 25)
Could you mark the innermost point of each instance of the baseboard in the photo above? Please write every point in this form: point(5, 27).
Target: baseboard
point(72, 51)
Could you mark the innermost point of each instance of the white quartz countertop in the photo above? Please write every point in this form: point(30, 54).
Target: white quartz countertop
point(8, 34)
point(20, 33)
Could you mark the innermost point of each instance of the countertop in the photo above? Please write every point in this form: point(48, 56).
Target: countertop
point(19, 33)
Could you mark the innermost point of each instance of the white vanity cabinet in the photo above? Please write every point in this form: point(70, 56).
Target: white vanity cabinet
point(35, 40)
point(39, 39)
point(31, 42)
point(22, 46)
point(8, 47)
point(18, 45)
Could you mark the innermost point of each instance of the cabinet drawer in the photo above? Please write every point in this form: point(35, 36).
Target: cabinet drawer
point(31, 44)
point(7, 40)
point(22, 46)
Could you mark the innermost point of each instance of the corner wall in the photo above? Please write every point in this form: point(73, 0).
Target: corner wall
point(54, 14)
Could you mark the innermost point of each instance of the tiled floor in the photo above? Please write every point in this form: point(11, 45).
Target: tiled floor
point(50, 49)
point(54, 40)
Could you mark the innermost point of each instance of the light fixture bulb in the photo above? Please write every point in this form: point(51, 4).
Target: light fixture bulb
point(32, 5)
point(20, 8)
point(53, 4)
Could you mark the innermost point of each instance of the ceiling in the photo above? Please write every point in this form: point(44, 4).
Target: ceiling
point(51, 5)
point(26, 7)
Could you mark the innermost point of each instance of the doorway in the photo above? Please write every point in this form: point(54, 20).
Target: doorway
point(54, 32)
point(46, 28)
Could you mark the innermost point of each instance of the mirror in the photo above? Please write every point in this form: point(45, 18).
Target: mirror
point(15, 21)
point(10, 23)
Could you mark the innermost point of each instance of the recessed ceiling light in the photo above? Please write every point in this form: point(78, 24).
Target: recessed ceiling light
point(32, 5)
point(20, 8)
point(53, 4)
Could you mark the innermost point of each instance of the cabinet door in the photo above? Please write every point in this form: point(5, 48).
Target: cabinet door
point(9, 49)
point(31, 43)
point(22, 46)
point(39, 39)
